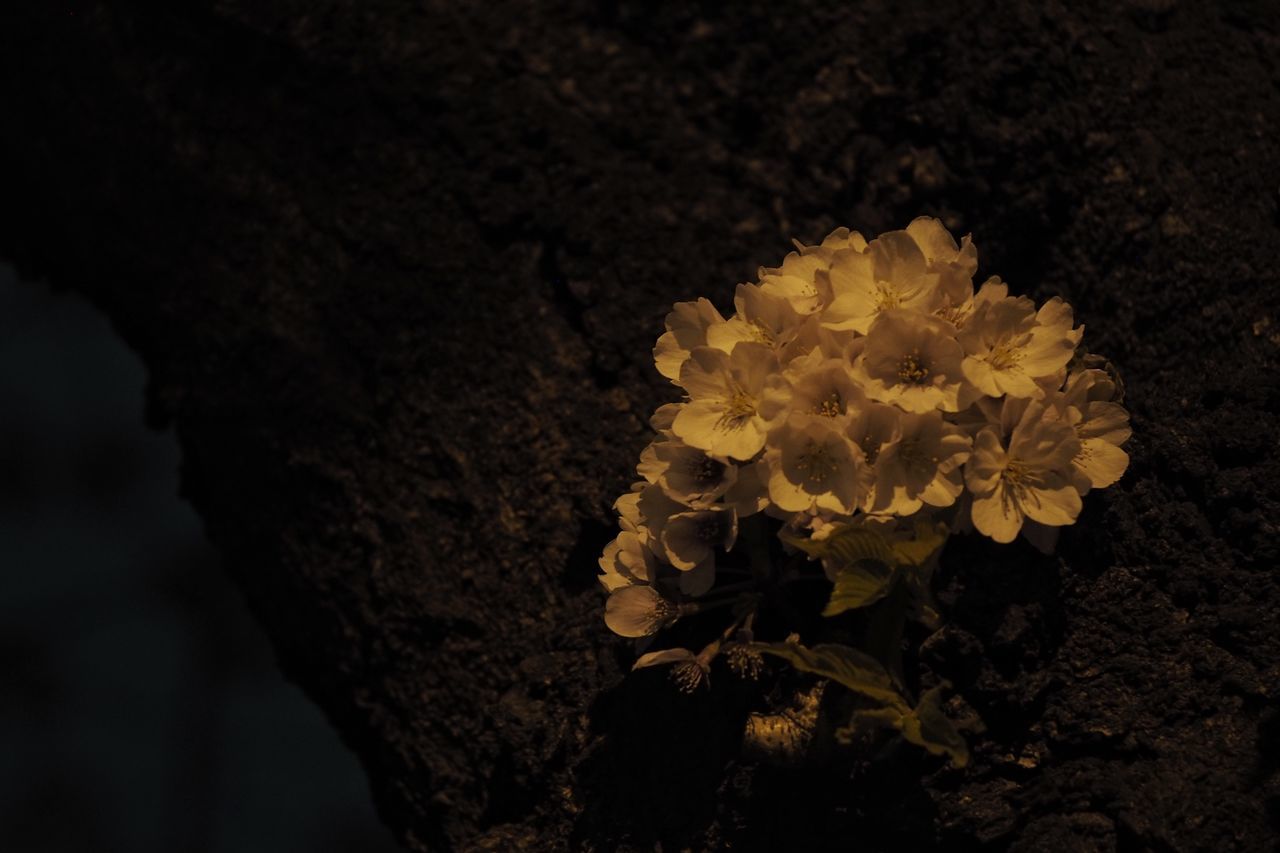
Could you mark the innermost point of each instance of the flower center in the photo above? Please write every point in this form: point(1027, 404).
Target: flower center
point(816, 463)
point(829, 406)
point(1005, 355)
point(661, 614)
point(710, 529)
point(738, 409)
point(870, 448)
point(762, 333)
point(912, 370)
point(705, 471)
point(913, 456)
point(1019, 479)
point(887, 298)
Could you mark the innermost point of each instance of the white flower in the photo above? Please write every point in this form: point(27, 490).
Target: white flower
point(913, 361)
point(839, 240)
point(627, 561)
point(1102, 427)
point(1009, 345)
point(892, 273)
point(814, 467)
point(872, 428)
point(958, 305)
point(940, 249)
point(725, 390)
point(686, 328)
point(663, 416)
point(1031, 478)
point(638, 611)
point(750, 493)
point(814, 384)
point(761, 317)
point(628, 508)
point(802, 279)
point(686, 474)
point(690, 538)
point(921, 466)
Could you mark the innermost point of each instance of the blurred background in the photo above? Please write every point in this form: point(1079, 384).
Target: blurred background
point(140, 706)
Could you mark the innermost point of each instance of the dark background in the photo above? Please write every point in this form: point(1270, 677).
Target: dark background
point(395, 269)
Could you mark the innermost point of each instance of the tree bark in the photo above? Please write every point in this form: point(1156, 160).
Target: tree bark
point(396, 270)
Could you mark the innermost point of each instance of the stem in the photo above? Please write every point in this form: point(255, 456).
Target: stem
point(712, 648)
point(733, 587)
point(690, 609)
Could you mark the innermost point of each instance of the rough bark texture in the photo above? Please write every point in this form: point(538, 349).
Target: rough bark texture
point(396, 268)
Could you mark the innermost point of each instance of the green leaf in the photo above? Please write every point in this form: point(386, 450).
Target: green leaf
point(864, 719)
point(927, 539)
point(929, 727)
point(845, 546)
point(860, 672)
point(858, 585)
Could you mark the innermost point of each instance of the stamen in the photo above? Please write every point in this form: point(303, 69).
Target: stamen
point(1005, 354)
point(912, 369)
point(829, 407)
point(816, 462)
point(739, 408)
point(710, 529)
point(745, 662)
point(687, 675)
point(870, 448)
point(762, 333)
point(704, 470)
point(887, 299)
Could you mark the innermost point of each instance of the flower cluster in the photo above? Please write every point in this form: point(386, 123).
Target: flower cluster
point(859, 383)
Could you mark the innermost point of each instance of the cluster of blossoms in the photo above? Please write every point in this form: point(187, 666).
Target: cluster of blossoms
point(859, 383)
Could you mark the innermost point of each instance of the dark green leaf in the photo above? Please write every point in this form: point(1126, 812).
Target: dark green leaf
point(859, 672)
point(929, 727)
point(845, 546)
point(859, 584)
point(914, 551)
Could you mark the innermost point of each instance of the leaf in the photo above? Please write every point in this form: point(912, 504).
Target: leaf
point(929, 727)
point(847, 545)
point(858, 585)
point(864, 719)
point(860, 672)
point(927, 539)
